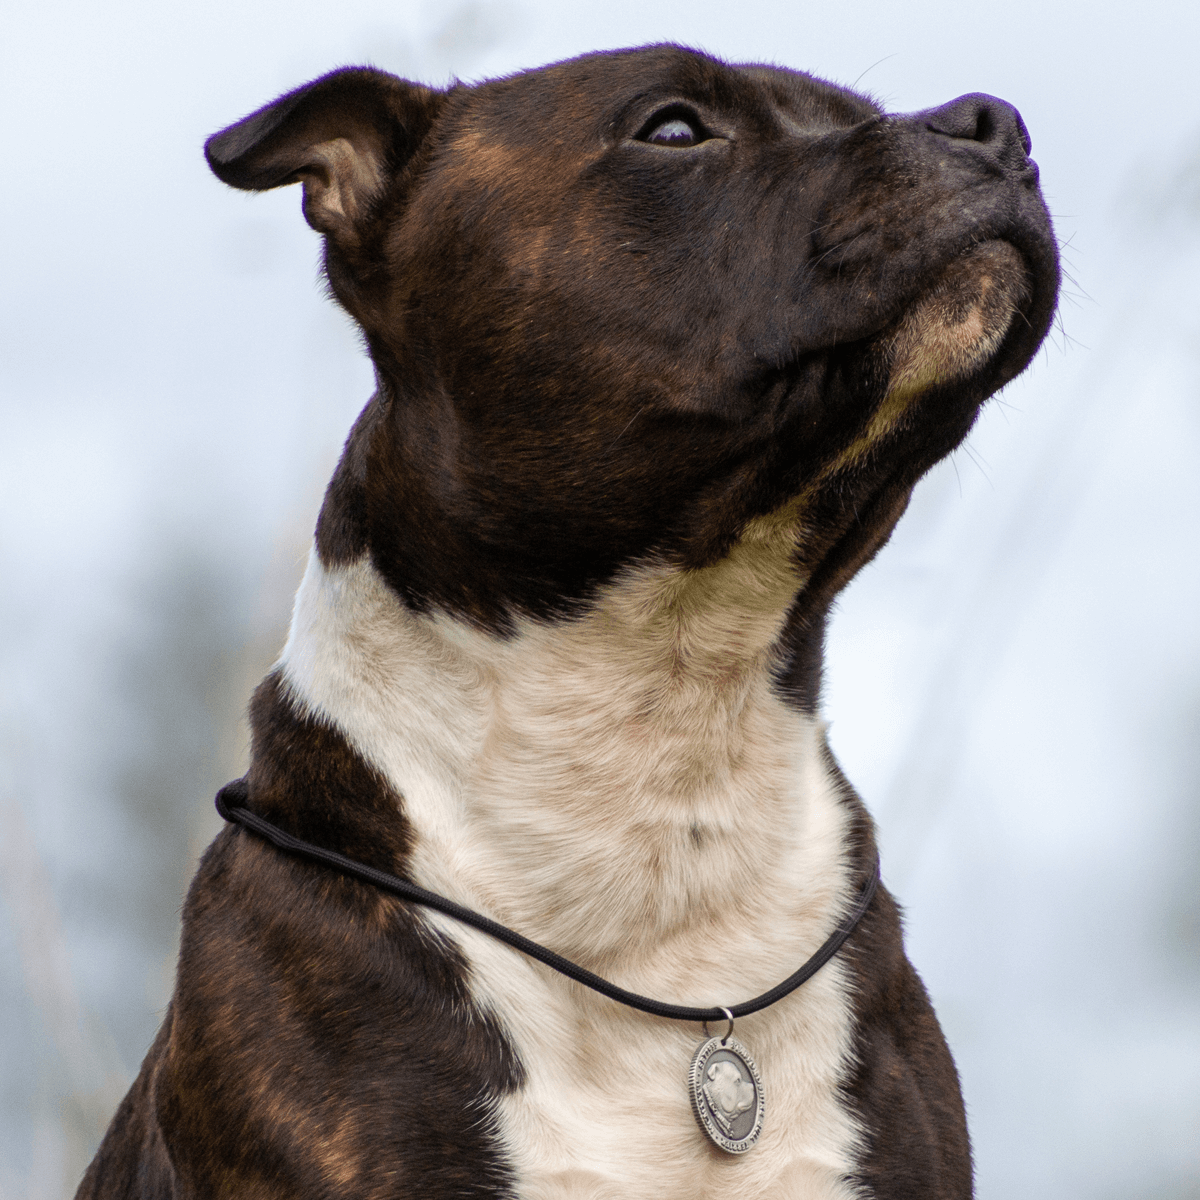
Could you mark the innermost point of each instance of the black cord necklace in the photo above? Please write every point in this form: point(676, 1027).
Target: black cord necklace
point(727, 1093)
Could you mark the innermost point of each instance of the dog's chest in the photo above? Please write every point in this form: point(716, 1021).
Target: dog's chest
point(678, 835)
point(604, 1109)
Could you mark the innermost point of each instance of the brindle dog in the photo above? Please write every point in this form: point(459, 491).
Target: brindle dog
point(662, 347)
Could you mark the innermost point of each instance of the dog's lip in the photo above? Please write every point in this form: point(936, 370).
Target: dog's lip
point(958, 322)
point(1010, 353)
point(882, 373)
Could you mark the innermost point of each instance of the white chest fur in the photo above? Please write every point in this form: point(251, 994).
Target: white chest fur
point(628, 789)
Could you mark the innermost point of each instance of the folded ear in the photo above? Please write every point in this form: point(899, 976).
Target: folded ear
point(344, 136)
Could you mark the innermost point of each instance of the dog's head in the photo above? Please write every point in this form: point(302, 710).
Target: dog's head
point(629, 307)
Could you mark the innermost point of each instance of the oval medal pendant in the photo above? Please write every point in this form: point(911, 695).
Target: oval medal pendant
point(727, 1094)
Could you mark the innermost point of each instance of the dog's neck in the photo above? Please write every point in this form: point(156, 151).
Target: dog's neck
point(596, 780)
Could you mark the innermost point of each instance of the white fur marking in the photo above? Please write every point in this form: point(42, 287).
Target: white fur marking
point(627, 788)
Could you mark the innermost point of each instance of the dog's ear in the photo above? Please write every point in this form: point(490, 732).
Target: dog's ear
point(344, 136)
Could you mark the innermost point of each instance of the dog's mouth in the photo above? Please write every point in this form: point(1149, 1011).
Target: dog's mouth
point(952, 332)
point(951, 337)
point(957, 326)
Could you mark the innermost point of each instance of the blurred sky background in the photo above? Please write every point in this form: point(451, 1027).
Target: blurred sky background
point(1013, 685)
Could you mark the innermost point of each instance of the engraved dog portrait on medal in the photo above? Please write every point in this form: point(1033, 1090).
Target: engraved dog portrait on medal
point(727, 1094)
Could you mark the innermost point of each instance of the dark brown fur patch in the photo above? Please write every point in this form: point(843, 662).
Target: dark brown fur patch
point(903, 1086)
point(322, 1040)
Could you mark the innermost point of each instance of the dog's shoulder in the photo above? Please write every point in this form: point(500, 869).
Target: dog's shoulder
point(323, 1037)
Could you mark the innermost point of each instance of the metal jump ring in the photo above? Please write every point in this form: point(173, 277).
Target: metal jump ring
point(728, 1032)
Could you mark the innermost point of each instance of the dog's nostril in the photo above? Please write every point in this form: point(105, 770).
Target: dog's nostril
point(982, 119)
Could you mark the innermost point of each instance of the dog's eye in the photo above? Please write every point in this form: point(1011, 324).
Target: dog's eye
point(673, 130)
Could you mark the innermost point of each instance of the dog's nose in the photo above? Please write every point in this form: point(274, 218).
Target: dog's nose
point(993, 125)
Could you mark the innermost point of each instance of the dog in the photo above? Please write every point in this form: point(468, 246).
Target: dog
point(662, 346)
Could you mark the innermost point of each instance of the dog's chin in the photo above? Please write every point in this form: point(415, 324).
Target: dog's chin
point(958, 325)
point(951, 335)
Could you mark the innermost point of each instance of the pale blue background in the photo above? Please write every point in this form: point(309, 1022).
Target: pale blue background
point(1014, 685)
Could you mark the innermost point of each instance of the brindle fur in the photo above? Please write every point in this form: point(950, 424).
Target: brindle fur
point(589, 353)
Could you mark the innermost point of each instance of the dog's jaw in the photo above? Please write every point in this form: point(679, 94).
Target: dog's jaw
point(959, 323)
point(629, 788)
point(947, 334)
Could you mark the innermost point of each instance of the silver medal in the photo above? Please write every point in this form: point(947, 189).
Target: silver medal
point(727, 1092)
